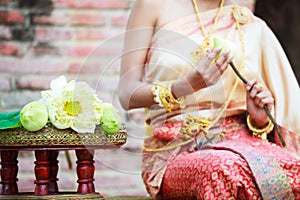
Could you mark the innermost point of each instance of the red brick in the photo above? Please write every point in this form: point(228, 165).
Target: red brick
point(108, 49)
point(95, 34)
point(20, 33)
point(44, 50)
point(11, 17)
point(34, 82)
point(6, 2)
point(95, 50)
point(10, 49)
point(87, 19)
point(106, 66)
point(102, 4)
point(43, 65)
point(46, 34)
point(80, 51)
point(119, 20)
point(57, 18)
point(36, 4)
point(5, 84)
point(5, 32)
point(84, 68)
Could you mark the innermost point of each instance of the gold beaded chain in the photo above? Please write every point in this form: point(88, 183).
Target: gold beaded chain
point(226, 103)
point(200, 52)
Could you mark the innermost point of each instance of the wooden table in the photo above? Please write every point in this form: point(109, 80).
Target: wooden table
point(46, 145)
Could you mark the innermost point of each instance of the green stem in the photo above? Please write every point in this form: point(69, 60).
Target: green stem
point(238, 73)
point(265, 106)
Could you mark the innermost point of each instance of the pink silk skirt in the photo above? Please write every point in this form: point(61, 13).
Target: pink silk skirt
point(238, 167)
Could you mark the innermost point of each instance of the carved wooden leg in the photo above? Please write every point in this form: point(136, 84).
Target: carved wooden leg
point(85, 171)
point(41, 171)
point(53, 164)
point(9, 172)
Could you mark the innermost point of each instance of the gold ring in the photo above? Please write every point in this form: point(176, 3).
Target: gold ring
point(212, 62)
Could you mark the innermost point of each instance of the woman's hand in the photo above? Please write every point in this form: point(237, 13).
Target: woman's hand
point(202, 75)
point(257, 97)
point(205, 74)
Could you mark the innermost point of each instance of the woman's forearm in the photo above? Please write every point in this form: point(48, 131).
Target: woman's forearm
point(135, 95)
point(139, 94)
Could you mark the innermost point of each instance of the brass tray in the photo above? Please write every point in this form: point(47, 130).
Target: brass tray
point(50, 136)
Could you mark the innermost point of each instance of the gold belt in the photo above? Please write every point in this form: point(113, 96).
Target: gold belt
point(193, 125)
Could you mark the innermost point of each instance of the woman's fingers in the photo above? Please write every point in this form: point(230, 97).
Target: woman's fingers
point(253, 88)
point(263, 98)
point(250, 84)
point(223, 57)
point(225, 64)
point(220, 64)
point(209, 69)
point(254, 91)
point(259, 93)
point(269, 101)
point(213, 53)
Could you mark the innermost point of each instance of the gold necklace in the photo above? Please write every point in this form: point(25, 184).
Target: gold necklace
point(201, 51)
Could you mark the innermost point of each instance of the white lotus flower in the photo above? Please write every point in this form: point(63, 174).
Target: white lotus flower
point(72, 105)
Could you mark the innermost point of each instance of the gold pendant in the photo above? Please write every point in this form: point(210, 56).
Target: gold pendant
point(241, 14)
point(199, 53)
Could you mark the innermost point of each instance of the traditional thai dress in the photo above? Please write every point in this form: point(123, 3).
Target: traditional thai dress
point(230, 163)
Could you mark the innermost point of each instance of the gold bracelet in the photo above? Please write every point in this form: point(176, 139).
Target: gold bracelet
point(163, 96)
point(259, 132)
point(156, 96)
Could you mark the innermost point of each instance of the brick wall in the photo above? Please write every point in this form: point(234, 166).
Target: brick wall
point(81, 39)
point(41, 39)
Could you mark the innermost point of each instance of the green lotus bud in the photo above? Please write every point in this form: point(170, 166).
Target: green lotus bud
point(110, 120)
point(34, 116)
point(225, 45)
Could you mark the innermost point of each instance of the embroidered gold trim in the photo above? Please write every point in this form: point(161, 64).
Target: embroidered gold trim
point(53, 137)
point(193, 125)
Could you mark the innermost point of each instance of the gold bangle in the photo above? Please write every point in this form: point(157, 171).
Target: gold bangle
point(156, 96)
point(259, 132)
point(163, 96)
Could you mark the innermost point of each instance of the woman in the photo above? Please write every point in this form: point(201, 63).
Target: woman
point(209, 135)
